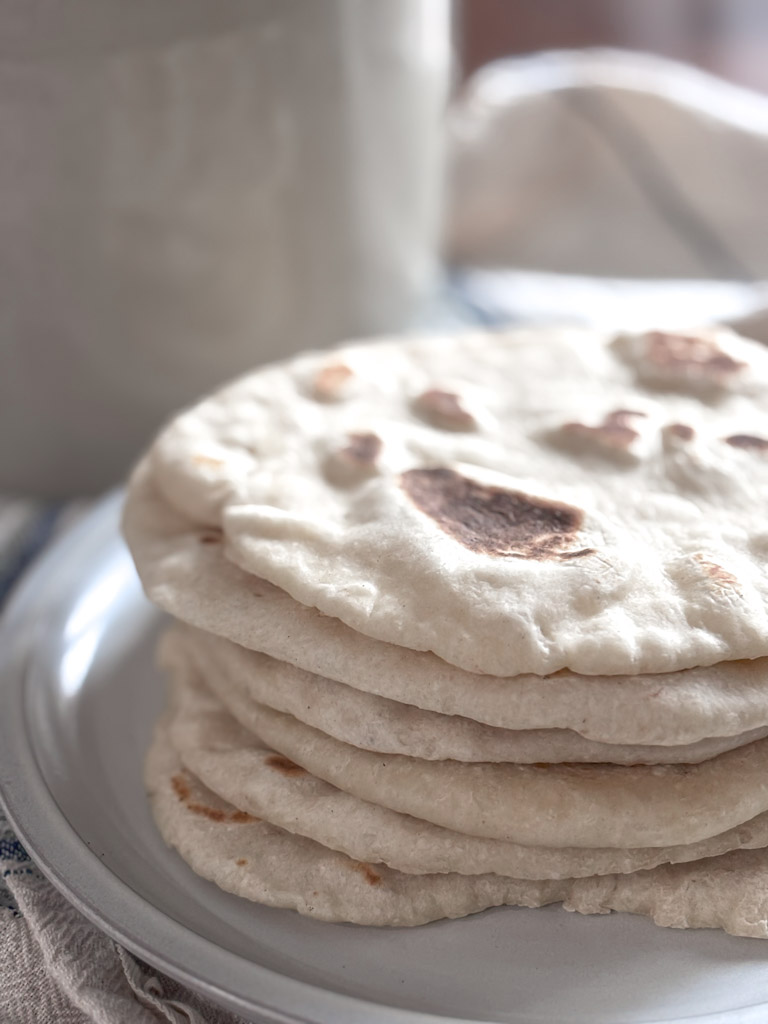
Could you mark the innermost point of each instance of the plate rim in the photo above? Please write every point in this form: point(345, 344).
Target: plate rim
point(101, 896)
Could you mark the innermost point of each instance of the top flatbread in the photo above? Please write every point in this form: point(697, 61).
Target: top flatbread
point(519, 502)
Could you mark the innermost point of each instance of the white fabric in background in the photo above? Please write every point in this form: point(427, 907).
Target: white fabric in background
point(609, 163)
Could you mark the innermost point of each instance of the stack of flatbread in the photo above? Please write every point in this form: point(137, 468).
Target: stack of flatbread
point(470, 621)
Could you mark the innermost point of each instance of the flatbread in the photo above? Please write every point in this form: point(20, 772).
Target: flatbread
point(547, 805)
point(519, 502)
point(183, 570)
point(239, 768)
point(268, 865)
point(244, 679)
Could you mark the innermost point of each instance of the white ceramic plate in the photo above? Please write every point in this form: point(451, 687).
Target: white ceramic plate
point(79, 696)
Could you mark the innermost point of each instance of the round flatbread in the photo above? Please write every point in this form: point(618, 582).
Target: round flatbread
point(514, 502)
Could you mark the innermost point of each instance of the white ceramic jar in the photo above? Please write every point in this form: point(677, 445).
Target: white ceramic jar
point(191, 187)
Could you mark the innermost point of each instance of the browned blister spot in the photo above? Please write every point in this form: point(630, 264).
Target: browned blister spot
point(748, 442)
point(355, 461)
point(211, 536)
point(716, 574)
point(213, 813)
point(444, 409)
point(681, 431)
point(241, 862)
point(241, 817)
point(181, 788)
point(689, 356)
point(492, 520)
point(362, 450)
point(216, 814)
point(284, 765)
point(615, 431)
point(329, 382)
point(367, 872)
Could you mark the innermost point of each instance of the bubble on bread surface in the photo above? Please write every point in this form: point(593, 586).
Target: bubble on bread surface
point(331, 381)
point(615, 435)
point(354, 460)
point(680, 362)
point(719, 577)
point(747, 442)
point(705, 573)
point(444, 410)
point(363, 449)
point(679, 432)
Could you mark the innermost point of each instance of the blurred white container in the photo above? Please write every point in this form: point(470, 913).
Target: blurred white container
point(190, 187)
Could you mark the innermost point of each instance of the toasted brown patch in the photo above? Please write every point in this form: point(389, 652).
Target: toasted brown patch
point(241, 817)
point(721, 578)
point(207, 460)
point(367, 872)
point(493, 520)
point(748, 442)
point(216, 814)
point(444, 409)
point(180, 787)
point(241, 862)
point(689, 356)
point(213, 813)
point(284, 765)
point(329, 382)
point(681, 431)
point(211, 536)
point(614, 433)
